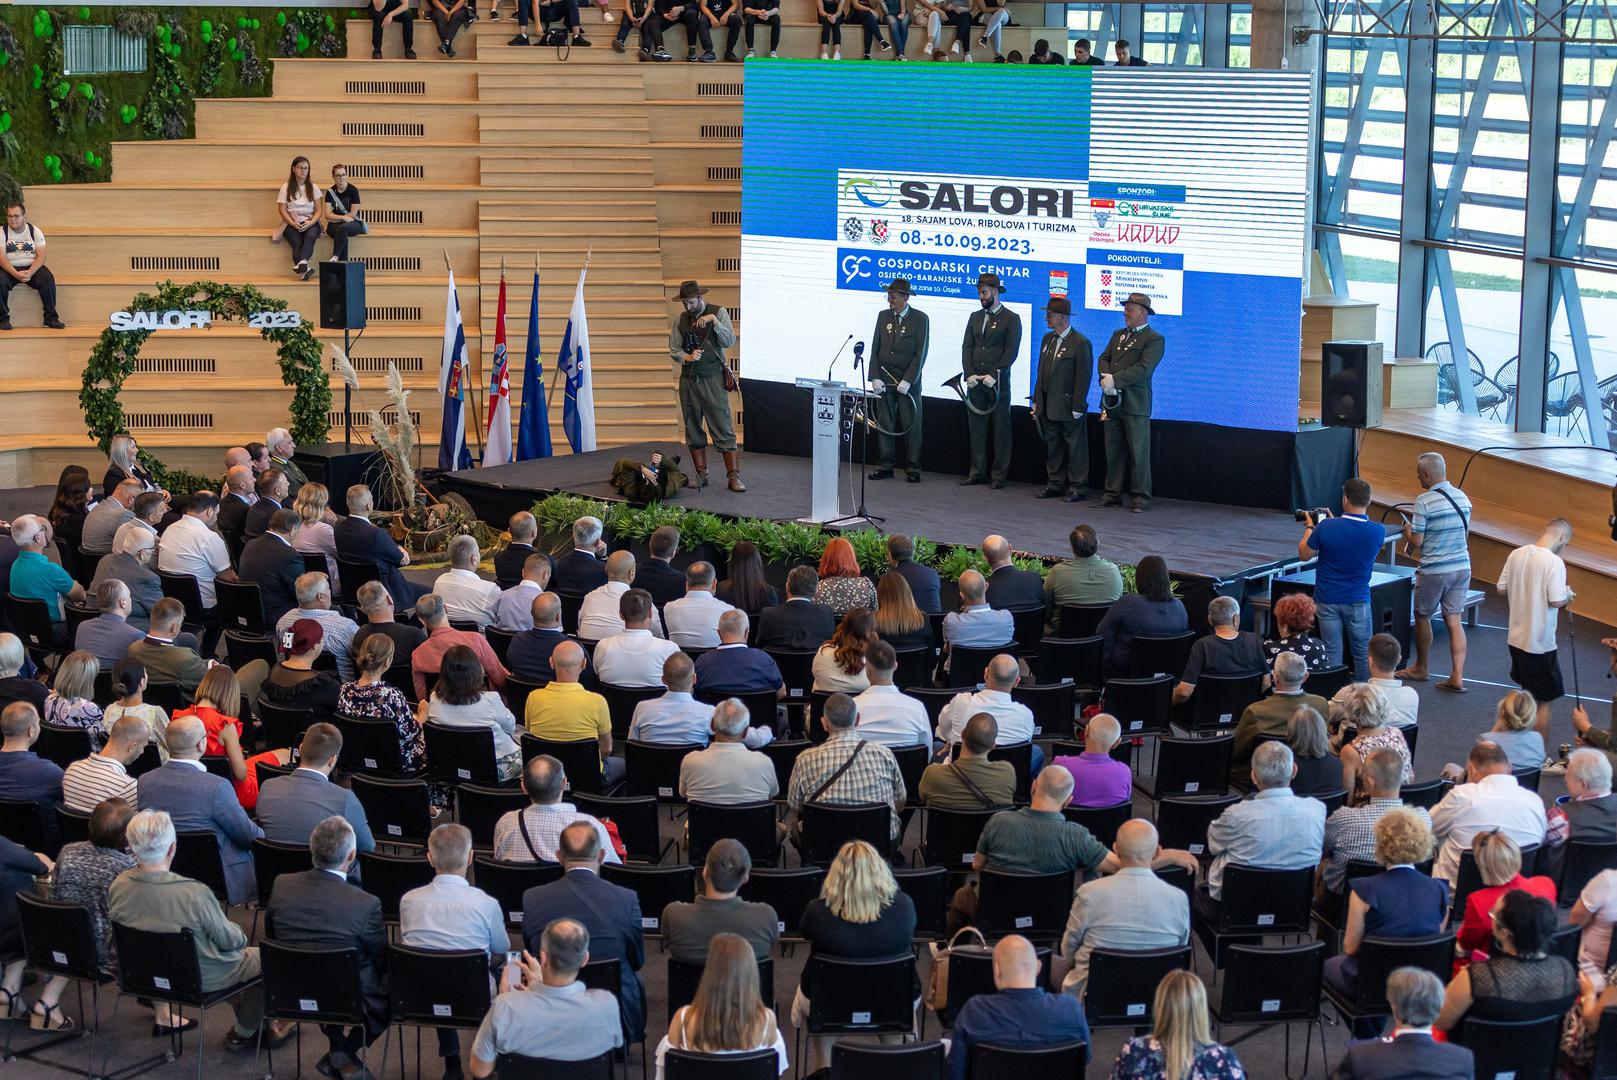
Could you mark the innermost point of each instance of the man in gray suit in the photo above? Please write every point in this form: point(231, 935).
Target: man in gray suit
point(289, 807)
point(1059, 400)
point(101, 524)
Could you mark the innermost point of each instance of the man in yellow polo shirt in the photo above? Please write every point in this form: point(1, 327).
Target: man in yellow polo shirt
point(563, 711)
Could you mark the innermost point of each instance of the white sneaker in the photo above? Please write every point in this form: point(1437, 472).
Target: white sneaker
point(607, 16)
point(955, 47)
point(773, 55)
point(751, 54)
point(968, 58)
point(930, 47)
point(825, 54)
point(837, 55)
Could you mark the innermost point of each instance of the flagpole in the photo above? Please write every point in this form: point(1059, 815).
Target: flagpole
point(465, 370)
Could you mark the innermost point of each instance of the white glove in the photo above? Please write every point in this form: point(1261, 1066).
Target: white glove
point(1077, 415)
point(878, 386)
point(988, 379)
point(904, 386)
point(1106, 382)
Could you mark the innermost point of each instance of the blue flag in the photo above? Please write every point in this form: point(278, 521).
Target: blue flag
point(453, 452)
point(533, 428)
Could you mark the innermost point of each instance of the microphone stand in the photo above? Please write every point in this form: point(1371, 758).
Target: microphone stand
point(860, 513)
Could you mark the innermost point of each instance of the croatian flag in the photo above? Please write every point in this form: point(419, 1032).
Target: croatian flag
point(497, 445)
point(578, 403)
point(533, 426)
point(452, 372)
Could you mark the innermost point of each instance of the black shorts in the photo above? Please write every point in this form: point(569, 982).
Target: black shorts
point(1537, 673)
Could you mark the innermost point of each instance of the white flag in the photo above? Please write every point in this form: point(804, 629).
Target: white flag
point(578, 403)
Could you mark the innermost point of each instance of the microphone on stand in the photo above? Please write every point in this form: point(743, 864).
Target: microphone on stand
point(832, 368)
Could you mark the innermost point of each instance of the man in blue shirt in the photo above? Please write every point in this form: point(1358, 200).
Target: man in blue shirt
point(1021, 1016)
point(34, 577)
point(735, 669)
point(1347, 547)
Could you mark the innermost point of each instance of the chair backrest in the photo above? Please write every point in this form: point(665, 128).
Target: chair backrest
point(1160, 654)
point(401, 678)
point(914, 668)
point(653, 768)
point(1081, 620)
point(398, 811)
point(63, 744)
point(353, 573)
point(1380, 957)
point(1051, 705)
point(33, 622)
point(1192, 766)
point(1268, 985)
point(58, 938)
point(1506, 1049)
point(689, 1065)
point(197, 856)
point(656, 886)
point(516, 691)
point(912, 763)
point(243, 648)
point(860, 996)
point(22, 821)
point(184, 588)
point(787, 891)
point(1605, 1063)
point(370, 746)
point(1122, 983)
point(1028, 629)
point(517, 1067)
point(480, 808)
point(570, 603)
point(683, 979)
point(1078, 659)
point(158, 965)
point(1059, 1062)
point(283, 728)
point(887, 1061)
point(580, 760)
point(826, 828)
point(928, 889)
point(1101, 821)
point(1219, 700)
point(621, 702)
point(73, 825)
point(460, 755)
point(1142, 706)
point(499, 640)
point(796, 670)
point(438, 989)
point(271, 860)
point(636, 819)
point(1033, 905)
point(311, 986)
point(782, 753)
point(934, 698)
point(241, 607)
point(1580, 862)
point(1426, 794)
point(507, 881)
point(1327, 681)
point(1182, 821)
point(1266, 901)
point(1527, 777)
point(971, 972)
point(966, 662)
point(750, 824)
point(950, 837)
point(389, 877)
point(1020, 756)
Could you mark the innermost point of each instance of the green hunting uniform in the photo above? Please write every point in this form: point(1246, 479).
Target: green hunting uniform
point(702, 396)
point(1130, 357)
point(992, 341)
point(897, 354)
point(1065, 363)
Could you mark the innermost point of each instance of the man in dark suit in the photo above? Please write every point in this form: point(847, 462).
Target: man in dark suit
point(992, 343)
point(799, 625)
point(1060, 397)
point(583, 568)
point(271, 496)
point(1125, 366)
point(656, 574)
point(897, 354)
point(319, 909)
point(357, 538)
point(611, 914)
point(1009, 588)
point(291, 806)
point(922, 580)
point(234, 503)
point(271, 563)
point(528, 656)
point(508, 563)
point(1410, 1053)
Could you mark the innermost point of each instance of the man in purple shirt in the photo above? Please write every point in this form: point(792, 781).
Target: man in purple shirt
point(1099, 779)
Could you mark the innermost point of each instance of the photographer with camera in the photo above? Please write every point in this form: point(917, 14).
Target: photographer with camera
point(1346, 547)
point(696, 341)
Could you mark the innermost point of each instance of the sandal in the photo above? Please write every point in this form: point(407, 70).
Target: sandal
point(52, 1019)
point(1450, 687)
point(14, 1008)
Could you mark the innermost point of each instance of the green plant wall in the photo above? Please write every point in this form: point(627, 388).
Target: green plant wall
point(56, 128)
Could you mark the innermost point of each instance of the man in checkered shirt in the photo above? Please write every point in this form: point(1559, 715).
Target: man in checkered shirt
point(1350, 833)
point(871, 777)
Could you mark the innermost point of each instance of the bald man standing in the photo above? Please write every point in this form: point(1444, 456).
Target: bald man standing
point(1021, 1015)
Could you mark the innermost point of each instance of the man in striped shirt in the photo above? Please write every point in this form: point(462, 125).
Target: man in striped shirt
point(91, 781)
point(1437, 532)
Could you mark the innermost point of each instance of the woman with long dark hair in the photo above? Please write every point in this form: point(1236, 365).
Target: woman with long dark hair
point(71, 505)
point(839, 665)
point(462, 699)
point(898, 620)
point(301, 208)
point(746, 588)
point(1150, 609)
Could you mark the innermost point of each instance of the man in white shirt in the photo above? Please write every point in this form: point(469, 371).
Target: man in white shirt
point(314, 602)
point(467, 597)
point(634, 657)
point(676, 717)
point(1403, 701)
point(22, 262)
point(727, 773)
point(693, 619)
point(886, 714)
point(1533, 581)
point(513, 610)
point(1015, 720)
point(598, 616)
point(192, 546)
point(1489, 799)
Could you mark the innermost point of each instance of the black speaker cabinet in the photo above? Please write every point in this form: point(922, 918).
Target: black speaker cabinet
point(1350, 384)
point(342, 295)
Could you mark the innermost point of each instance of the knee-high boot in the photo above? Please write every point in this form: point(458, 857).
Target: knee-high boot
point(732, 469)
point(699, 459)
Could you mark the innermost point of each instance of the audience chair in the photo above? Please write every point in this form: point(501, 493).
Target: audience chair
point(102, 694)
point(1187, 765)
point(1061, 1061)
point(1028, 629)
point(353, 573)
point(621, 702)
point(783, 754)
point(570, 603)
point(865, 996)
point(966, 663)
point(1512, 1048)
point(163, 967)
point(636, 819)
point(24, 822)
point(166, 696)
point(1426, 794)
point(310, 986)
point(1078, 659)
point(402, 678)
point(1274, 985)
point(517, 1067)
point(1052, 707)
point(914, 668)
point(1122, 984)
point(1081, 620)
point(1379, 958)
point(460, 755)
point(1033, 905)
point(656, 886)
point(266, 771)
point(934, 698)
point(270, 861)
point(580, 760)
point(498, 640)
point(753, 825)
point(197, 856)
point(825, 828)
point(1565, 943)
point(1256, 902)
point(949, 838)
point(683, 979)
point(68, 555)
point(1581, 860)
point(63, 744)
point(427, 988)
point(1527, 778)
point(369, 746)
point(689, 1065)
point(389, 877)
point(796, 672)
point(1333, 800)
point(60, 939)
point(816, 710)
point(218, 765)
point(1468, 879)
point(761, 706)
point(399, 811)
point(185, 589)
point(928, 889)
point(1327, 681)
point(76, 615)
point(1020, 755)
point(480, 808)
point(1160, 654)
point(507, 881)
point(241, 608)
point(148, 760)
point(1219, 700)
point(516, 693)
point(31, 621)
point(912, 762)
point(73, 825)
point(1606, 1044)
point(1142, 706)
point(283, 728)
point(787, 891)
point(653, 769)
point(971, 972)
point(1101, 821)
point(888, 1061)
point(242, 649)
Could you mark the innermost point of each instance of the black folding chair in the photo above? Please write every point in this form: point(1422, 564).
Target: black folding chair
point(59, 939)
point(196, 856)
point(570, 603)
point(824, 829)
point(1379, 958)
point(690, 1065)
point(787, 891)
point(1081, 620)
point(914, 668)
point(389, 877)
point(580, 760)
point(753, 825)
point(1078, 659)
point(242, 649)
point(241, 608)
point(1274, 985)
point(270, 861)
point(1122, 984)
point(782, 753)
point(1255, 902)
point(1506, 1049)
point(516, 691)
point(653, 769)
point(353, 573)
point(166, 696)
point(62, 744)
point(1580, 862)
point(460, 755)
point(1101, 821)
point(1061, 1061)
point(499, 640)
point(1032, 905)
point(1527, 778)
point(928, 889)
point(1142, 706)
point(966, 663)
point(1327, 681)
point(656, 886)
point(887, 1061)
point(1219, 700)
point(912, 763)
point(34, 622)
point(1187, 765)
point(1028, 629)
point(621, 702)
point(507, 881)
point(283, 728)
point(1051, 705)
point(163, 967)
point(949, 838)
point(434, 989)
point(370, 746)
point(398, 811)
point(73, 825)
point(25, 822)
point(850, 996)
point(517, 1067)
point(185, 589)
point(1160, 654)
point(971, 972)
point(309, 986)
point(480, 808)
point(636, 819)
point(1426, 794)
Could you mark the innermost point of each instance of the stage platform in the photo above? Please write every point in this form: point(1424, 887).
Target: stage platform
point(1205, 539)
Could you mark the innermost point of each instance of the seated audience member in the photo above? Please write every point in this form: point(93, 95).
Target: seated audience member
point(293, 805)
point(971, 781)
point(656, 573)
point(441, 637)
point(160, 652)
point(274, 565)
point(272, 488)
point(609, 912)
point(689, 928)
point(1364, 711)
point(1319, 772)
point(886, 714)
point(583, 568)
point(800, 624)
point(14, 685)
point(1490, 798)
point(839, 664)
point(294, 683)
point(1513, 730)
point(1595, 911)
point(449, 914)
point(216, 702)
point(533, 833)
point(513, 558)
point(314, 603)
point(1399, 902)
point(976, 625)
point(192, 546)
point(1227, 651)
point(376, 604)
point(726, 1015)
point(1589, 812)
point(543, 1011)
point(24, 775)
point(842, 586)
point(1099, 779)
point(149, 509)
point(1415, 997)
point(123, 463)
point(745, 589)
point(727, 771)
point(315, 535)
point(1522, 979)
point(861, 912)
point(1086, 579)
point(1041, 54)
point(1274, 829)
point(34, 577)
point(1150, 609)
point(513, 611)
point(676, 718)
point(598, 615)
point(1180, 1044)
point(462, 699)
point(1271, 715)
point(634, 656)
point(105, 774)
point(735, 668)
point(897, 619)
point(282, 449)
point(1015, 720)
point(922, 580)
point(1131, 909)
point(132, 566)
point(1499, 864)
point(1020, 1015)
point(70, 703)
point(342, 214)
point(845, 770)
point(563, 711)
point(106, 517)
point(1403, 703)
point(1350, 831)
point(235, 500)
point(529, 652)
point(150, 896)
point(693, 619)
point(357, 538)
point(1010, 588)
point(129, 688)
point(467, 598)
point(24, 265)
point(258, 456)
point(301, 206)
point(320, 908)
point(107, 637)
point(372, 697)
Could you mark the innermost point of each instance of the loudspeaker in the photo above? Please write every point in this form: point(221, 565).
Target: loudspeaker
point(342, 295)
point(1350, 384)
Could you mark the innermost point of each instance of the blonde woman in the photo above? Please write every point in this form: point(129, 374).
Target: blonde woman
point(1180, 1046)
point(899, 620)
point(727, 1015)
point(1363, 708)
point(70, 703)
point(123, 463)
point(860, 912)
point(1513, 730)
point(315, 537)
point(1499, 864)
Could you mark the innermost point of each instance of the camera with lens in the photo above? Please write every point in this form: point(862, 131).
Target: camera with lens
point(693, 341)
point(1312, 517)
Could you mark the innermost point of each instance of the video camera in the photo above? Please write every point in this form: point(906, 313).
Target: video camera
point(1312, 517)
